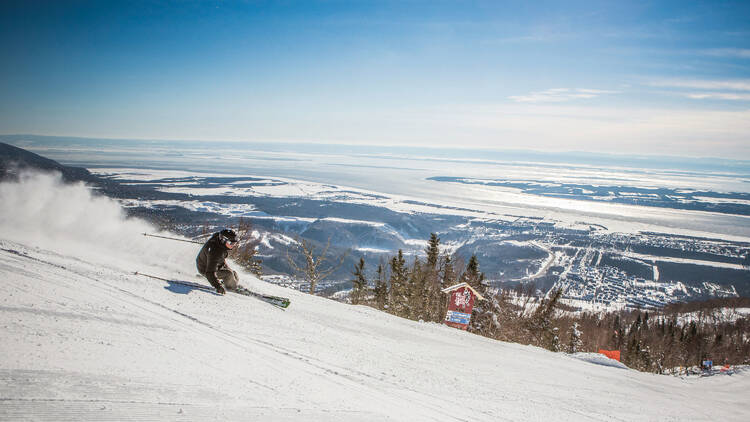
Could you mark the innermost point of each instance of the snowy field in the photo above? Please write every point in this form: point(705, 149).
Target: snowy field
point(86, 339)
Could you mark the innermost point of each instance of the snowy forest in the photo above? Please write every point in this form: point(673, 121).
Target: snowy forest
point(672, 339)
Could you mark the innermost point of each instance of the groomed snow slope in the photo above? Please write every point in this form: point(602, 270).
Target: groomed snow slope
point(83, 338)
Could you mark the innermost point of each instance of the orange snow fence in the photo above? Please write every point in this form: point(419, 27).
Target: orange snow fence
point(612, 354)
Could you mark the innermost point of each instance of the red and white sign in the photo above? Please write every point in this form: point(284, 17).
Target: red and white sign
point(459, 308)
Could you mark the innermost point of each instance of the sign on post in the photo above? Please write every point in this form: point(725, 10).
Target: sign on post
point(460, 305)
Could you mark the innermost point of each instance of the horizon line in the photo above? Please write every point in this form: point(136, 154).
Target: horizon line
point(399, 146)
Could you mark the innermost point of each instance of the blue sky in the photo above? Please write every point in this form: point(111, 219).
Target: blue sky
point(625, 77)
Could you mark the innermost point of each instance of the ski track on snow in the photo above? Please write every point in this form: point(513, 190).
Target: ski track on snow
point(57, 393)
point(342, 376)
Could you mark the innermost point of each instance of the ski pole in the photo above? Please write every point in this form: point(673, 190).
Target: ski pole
point(151, 276)
point(172, 238)
point(184, 283)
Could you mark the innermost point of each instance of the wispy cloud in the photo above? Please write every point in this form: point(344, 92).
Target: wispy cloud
point(731, 84)
point(558, 95)
point(743, 53)
point(702, 89)
point(718, 96)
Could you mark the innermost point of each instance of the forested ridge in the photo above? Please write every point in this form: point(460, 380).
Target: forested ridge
point(677, 336)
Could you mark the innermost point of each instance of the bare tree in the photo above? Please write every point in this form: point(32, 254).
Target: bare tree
point(245, 253)
point(317, 266)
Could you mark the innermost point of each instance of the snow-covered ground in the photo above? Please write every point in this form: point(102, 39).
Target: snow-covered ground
point(713, 316)
point(83, 338)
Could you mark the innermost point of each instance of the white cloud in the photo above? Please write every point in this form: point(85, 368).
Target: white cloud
point(703, 89)
point(726, 84)
point(718, 96)
point(557, 95)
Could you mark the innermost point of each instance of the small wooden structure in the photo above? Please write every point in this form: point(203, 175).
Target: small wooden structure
point(460, 305)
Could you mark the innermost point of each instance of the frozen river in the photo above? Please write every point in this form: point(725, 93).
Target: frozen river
point(406, 173)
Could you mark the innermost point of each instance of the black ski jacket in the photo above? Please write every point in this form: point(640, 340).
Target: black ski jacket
point(211, 258)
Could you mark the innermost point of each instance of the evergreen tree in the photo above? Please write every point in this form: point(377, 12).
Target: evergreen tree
point(433, 251)
point(472, 275)
point(433, 297)
point(575, 343)
point(540, 324)
point(415, 287)
point(399, 297)
point(381, 289)
point(555, 340)
point(359, 289)
point(434, 301)
point(617, 333)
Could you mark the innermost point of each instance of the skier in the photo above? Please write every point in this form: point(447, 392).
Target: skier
point(212, 264)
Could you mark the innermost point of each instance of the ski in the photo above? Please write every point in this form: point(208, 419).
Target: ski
point(277, 301)
point(281, 302)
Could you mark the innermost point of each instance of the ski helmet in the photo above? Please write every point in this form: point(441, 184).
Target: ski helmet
point(228, 235)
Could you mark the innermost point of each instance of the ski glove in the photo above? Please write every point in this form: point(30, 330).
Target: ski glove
point(220, 289)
